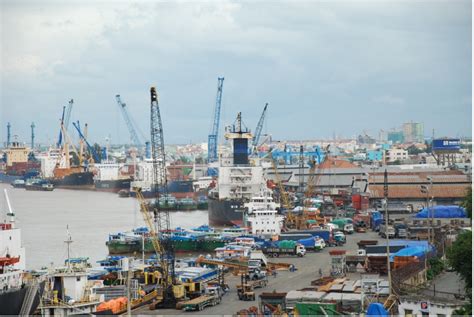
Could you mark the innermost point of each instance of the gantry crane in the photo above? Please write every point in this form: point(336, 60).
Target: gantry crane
point(258, 129)
point(213, 138)
point(132, 128)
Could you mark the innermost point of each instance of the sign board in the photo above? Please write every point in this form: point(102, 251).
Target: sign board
point(424, 306)
point(446, 145)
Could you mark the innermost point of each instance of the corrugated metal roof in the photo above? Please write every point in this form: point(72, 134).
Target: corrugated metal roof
point(413, 191)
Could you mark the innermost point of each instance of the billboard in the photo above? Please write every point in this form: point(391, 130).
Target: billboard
point(450, 145)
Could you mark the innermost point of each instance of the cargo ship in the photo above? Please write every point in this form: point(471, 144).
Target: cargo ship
point(18, 294)
point(110, 177)
point(19, 164)
point(183, 241)
point(238, 180)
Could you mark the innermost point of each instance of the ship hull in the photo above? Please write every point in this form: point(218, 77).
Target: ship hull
point(204, 245)
point(225, 212)
point(11, 301)
point(81, 180)
point(112, 185)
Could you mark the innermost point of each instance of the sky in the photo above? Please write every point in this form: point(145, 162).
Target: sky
point(325, 67)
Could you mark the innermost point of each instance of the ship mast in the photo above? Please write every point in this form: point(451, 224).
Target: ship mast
point(10, 213)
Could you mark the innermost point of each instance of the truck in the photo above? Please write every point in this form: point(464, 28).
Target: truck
point(201, 302)
point(257, 259)
point(276, 251)
point(401, 231)
point(345, 224)
point(322, 233)
point(388, 231)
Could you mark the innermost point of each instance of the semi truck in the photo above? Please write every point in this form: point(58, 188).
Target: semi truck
point(276, 251)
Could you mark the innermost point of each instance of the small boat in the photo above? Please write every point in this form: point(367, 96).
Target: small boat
point(39, 185)
point(18, 183)
point(187, 204)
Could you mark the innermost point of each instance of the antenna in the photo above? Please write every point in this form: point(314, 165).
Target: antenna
point(10, 213)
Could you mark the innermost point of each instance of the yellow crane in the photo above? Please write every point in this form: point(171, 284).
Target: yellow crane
point(178, 290)
point(285, 200)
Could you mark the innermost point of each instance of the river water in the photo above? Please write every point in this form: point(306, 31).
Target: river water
point(44, 216)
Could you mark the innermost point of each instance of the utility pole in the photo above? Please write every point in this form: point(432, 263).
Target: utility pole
point(385, 193)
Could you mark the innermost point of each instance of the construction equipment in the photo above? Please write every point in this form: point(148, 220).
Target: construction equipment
point(213, 138)
point(66, 116)
point(245, 290)
point(285, 201)
point(258, 130)
point(132, 127)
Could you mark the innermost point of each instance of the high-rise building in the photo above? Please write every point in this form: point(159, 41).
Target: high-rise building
point(413, 132)
point(395, 136)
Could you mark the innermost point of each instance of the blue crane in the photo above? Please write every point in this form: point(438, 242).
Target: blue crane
point(128, 120)
point(65, 120)
point(89, 147)
point(258, 129)
point(214, 135)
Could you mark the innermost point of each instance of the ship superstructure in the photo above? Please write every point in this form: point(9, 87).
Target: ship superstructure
point(238, 181)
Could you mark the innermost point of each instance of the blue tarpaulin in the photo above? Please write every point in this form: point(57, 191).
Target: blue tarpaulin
point(376, 309)
point(442, 212)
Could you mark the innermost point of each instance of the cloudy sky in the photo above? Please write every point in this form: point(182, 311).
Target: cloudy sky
point(324, 67)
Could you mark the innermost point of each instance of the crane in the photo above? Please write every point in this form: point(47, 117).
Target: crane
point(162, 217)
point(258, 129)
point(214, 135)
point(128, 120)
point(92, 151)
point(65, 120)
point(283, 194)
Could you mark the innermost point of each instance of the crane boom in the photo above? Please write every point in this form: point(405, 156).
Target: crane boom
point(162, 217)
point(66, 116)
point(258, 129)
point(214, 135)
point(128, 120)
point(83, 138)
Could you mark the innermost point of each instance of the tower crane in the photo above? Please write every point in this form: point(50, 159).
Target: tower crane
point(130, 123)
point(214, 135)
point(92, 151)
point(65, 120)
point(258, 129)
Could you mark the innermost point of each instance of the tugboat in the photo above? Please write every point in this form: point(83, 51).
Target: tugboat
point(19, 295)
point(39, 184)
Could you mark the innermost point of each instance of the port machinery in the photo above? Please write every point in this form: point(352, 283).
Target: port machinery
point(213, 137)
point(156, 219)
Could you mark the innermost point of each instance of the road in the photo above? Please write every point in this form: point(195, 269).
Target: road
point(307, 271)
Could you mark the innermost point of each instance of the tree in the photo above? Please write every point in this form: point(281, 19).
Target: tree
point(467, 202)
point(460, 258)
point(413, 150)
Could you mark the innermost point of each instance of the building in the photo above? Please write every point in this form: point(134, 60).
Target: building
point(397, 155)
point(413, 132)
point(423, 305)
point(395, 137)
point(375, 156)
